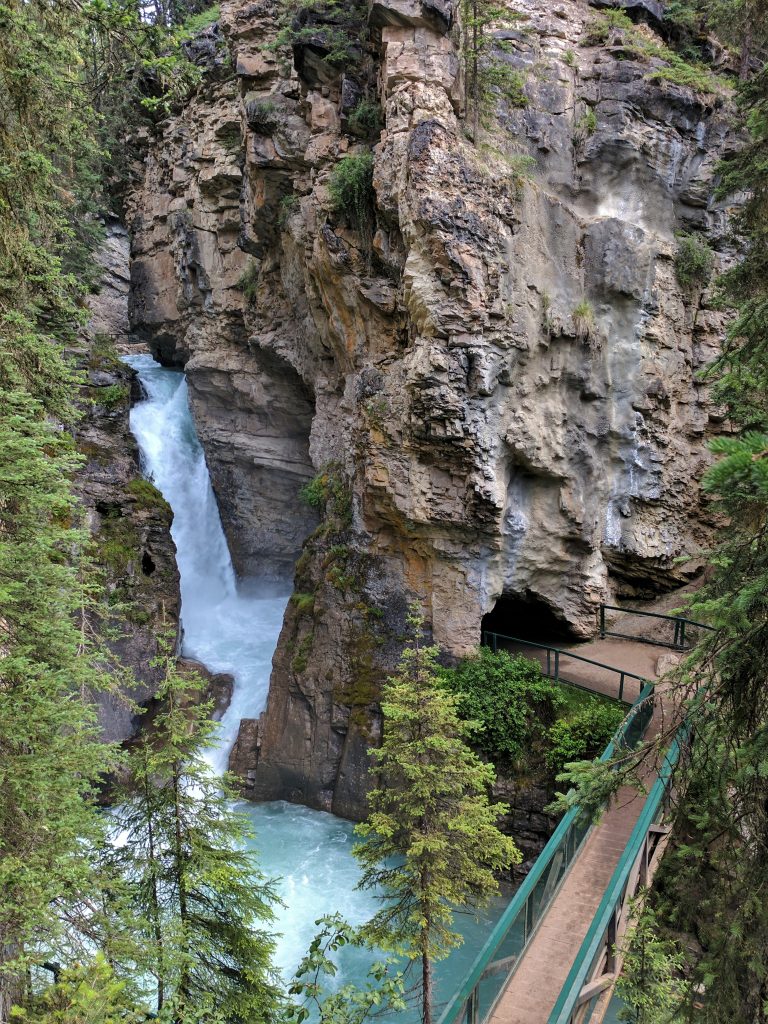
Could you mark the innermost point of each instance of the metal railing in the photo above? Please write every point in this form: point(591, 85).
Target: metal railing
point(679, 642)
point(595, 968)
point(554, 657)
point(504, 947)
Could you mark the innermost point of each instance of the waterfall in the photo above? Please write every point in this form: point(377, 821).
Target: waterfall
point(233, 626)
point(228, 627)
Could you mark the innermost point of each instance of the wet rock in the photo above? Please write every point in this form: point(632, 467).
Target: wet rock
point(219, 686)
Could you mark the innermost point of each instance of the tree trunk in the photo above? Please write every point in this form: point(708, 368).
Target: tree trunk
point(155, 898)
point(475, 77)
point(746, 53)
point(181, 881)
point(11, 985)
point(426, 971)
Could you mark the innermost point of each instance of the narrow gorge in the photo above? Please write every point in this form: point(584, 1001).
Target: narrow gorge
point(383, 511)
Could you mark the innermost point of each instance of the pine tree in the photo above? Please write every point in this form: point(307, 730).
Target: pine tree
point(200, 904)
point(430, 812)
point(486, 75)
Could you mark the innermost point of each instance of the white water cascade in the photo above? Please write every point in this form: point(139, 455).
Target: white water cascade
point(228, 627)
point(232, 626)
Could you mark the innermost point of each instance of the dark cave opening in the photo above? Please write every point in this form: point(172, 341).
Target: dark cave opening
point(147, 564)
point(526, 618)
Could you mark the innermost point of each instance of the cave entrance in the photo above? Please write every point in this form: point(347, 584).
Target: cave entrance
point(527, 618)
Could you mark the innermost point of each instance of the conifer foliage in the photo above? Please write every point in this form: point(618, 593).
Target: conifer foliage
point(49, 760)
point(199, 903)
point(431, 844)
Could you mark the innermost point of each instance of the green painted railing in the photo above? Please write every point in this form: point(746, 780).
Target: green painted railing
point(554, 657)
point(498, 958)
point(679, 640)
point(575, 996)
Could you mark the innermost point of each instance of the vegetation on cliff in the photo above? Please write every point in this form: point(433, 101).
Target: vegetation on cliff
point(61, 901)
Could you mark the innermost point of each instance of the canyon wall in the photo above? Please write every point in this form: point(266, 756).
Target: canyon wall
point(128, 520)
point(499, 391)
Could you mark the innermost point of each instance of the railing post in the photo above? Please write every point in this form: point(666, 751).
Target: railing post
point(676, 639)
point(557, 665)
point(642, 879)
point(621, 687)
point(602, 622)
point(495, 643)
point(682, 634)
point(610, 939)
point(471, 1016)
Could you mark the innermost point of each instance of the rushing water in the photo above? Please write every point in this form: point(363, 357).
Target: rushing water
point(229, 628)
point(232, 626)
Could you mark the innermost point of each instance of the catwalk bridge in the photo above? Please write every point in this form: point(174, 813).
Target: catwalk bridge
point(551, 958)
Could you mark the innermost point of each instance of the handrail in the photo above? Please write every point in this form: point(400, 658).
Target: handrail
point(559, 653)
point(568, 1000)
point(521, 902)
point(680, 621)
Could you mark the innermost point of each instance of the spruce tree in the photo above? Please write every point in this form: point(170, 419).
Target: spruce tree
point(487, 76)
point(200, 905)
point(430, 843)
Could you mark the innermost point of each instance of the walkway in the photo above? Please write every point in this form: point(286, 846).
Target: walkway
point(533, 989)
point(631, 656)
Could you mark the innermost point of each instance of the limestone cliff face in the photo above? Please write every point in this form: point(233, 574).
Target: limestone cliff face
point(482, 434)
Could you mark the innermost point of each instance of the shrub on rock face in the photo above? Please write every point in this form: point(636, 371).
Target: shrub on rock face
point(351, 191)
point(584, 319)
point(694, 261)
point(509, 697)
point(584, 735)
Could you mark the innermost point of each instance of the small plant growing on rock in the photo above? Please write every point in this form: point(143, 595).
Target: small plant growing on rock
point(305, 603)
point(352, 195)
point(335, 27)
point(365, 119)
point(569, 58)
point(584, 319)
point(328, 492)
point(288, 206)
point(262, 116)
point(147, 496)
point(603, 24)
point(694, 261)
point(585, 126)
point(249, 282)
point(547, 321)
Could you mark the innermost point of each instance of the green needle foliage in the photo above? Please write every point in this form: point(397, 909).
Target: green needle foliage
point(200, 905)
point(430, 843)
point(50, 761)
point(651, 984)
point(487, 76)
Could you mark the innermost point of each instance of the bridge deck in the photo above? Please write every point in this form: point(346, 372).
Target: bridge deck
point(533, 989)
point(531, 993)
point(632, 656)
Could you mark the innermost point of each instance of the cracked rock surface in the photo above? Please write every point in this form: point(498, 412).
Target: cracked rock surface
point(506, 384)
